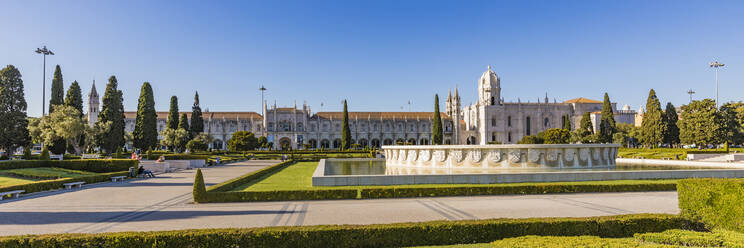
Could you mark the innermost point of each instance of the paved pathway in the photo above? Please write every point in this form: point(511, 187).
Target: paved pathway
point(165, 203)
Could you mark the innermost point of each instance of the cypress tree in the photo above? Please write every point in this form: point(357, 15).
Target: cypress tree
point(13, 122)
point(145, 133)
point(173, 114)
point(184, 122)
point(671, 133)
point(345, 131)
point(567, 122)
point(74, 97)
point(653, 126)
point(112, 110)
point(436, 127)
point(607, 121)
point(586, 125)
point(197, 122)
point(58, 90)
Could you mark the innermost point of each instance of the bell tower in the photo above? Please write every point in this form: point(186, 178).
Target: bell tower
point(489, 88)
point(93, 104)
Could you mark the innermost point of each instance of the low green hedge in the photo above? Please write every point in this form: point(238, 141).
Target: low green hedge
point(719, 203)
point(91, 165)
point(547, 188)
point(255, 175)
point(281, 195)
point(57, 183)
point(387, 235)
point(717, 238)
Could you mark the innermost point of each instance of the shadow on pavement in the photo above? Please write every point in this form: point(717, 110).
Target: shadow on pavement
point(39, 218)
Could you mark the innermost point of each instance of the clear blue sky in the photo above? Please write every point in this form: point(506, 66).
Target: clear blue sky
point(378, 54)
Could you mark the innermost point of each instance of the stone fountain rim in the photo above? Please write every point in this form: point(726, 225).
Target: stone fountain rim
point(505, 146)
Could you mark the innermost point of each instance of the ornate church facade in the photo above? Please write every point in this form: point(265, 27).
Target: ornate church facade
point(489, 120)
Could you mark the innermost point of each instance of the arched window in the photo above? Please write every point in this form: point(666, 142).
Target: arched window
point(527, 125)
point(493, 136)
point(493, 101)
point(493, 121)
point(508, 121)
point(299, 127)
point(509, 138)
point(546, 122)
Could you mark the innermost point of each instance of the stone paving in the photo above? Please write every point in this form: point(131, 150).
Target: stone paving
point(165, 203)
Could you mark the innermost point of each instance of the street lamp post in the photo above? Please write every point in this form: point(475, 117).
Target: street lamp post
point(44, 51)
point(690, 92)
point(715, 64)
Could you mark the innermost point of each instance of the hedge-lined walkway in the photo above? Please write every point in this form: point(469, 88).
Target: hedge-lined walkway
point(164, 203)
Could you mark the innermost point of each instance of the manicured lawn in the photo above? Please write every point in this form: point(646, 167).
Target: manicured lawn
point(299, 177)
point(480, 245)
point(45, 173)
point(10, 181)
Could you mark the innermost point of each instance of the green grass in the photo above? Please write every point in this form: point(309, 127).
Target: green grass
point(479, 245)
point(10, 181)
point(45, 173)
point(299, 177)
point(666, 153)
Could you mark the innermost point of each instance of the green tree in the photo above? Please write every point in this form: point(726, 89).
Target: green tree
point(145, 135)
point(567, 122)
point(732, 115)
point(606, 122)
point(112, 111)
point(173, 114)
point(700, 123)
point(437, 134)
point(13, 121)
point(530, 139)
point(174, 139)
point(200, 190)
point(653, 125)
point(58, 90)
point(262, 141)
point(555, 136)
point(65, 124)
point(74, 97)
point(242, 141)
point(671, 132)
point(197, 122)
point(345, 131)
point(44, 154)
point(184, 122)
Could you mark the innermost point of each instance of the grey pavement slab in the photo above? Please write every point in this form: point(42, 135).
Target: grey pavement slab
point(165, 203)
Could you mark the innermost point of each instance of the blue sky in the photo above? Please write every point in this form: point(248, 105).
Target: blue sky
point(378, 54)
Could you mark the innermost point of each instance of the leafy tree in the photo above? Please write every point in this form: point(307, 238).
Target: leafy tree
point(530, 139)
point(555, 136)
point(345, 131)
point(607, 121)
point(585, 130)
point(174, 139)
point(732, 115)
point(145, 135)
point(197, 122)
point(173, 114)
point(13, 122)
point(436, 127)
point(184, 122)
point(112, 111)
point(197, 144)
point(700, 123)
point(262, 141)
point(44, 154)
point(630, 134)
point(65, 124)
point(27, 153)
point(671, 132)
point(567, 122)
point(74, 97)
point(653, 125)
point(242, 141)
point(58, 90)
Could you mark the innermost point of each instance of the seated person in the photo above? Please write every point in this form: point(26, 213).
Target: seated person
point(142, 171)
point(161, 159)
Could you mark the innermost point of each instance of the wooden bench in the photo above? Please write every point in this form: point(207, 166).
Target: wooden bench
point(90, 156)
point(13, 194)
point(57, 157)
point(73, 184)
point(118, 178)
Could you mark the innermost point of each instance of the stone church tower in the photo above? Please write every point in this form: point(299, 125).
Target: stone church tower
point(489, 88)
point(452, 108)
point(93, 103)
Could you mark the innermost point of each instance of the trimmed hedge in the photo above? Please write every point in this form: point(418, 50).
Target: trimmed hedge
point(247, 178)
point(280, 195)
point(57, 183)
point(387, 235)
point(719, 203)
point(547, 188)
point(717, 238)
point(91, 165)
